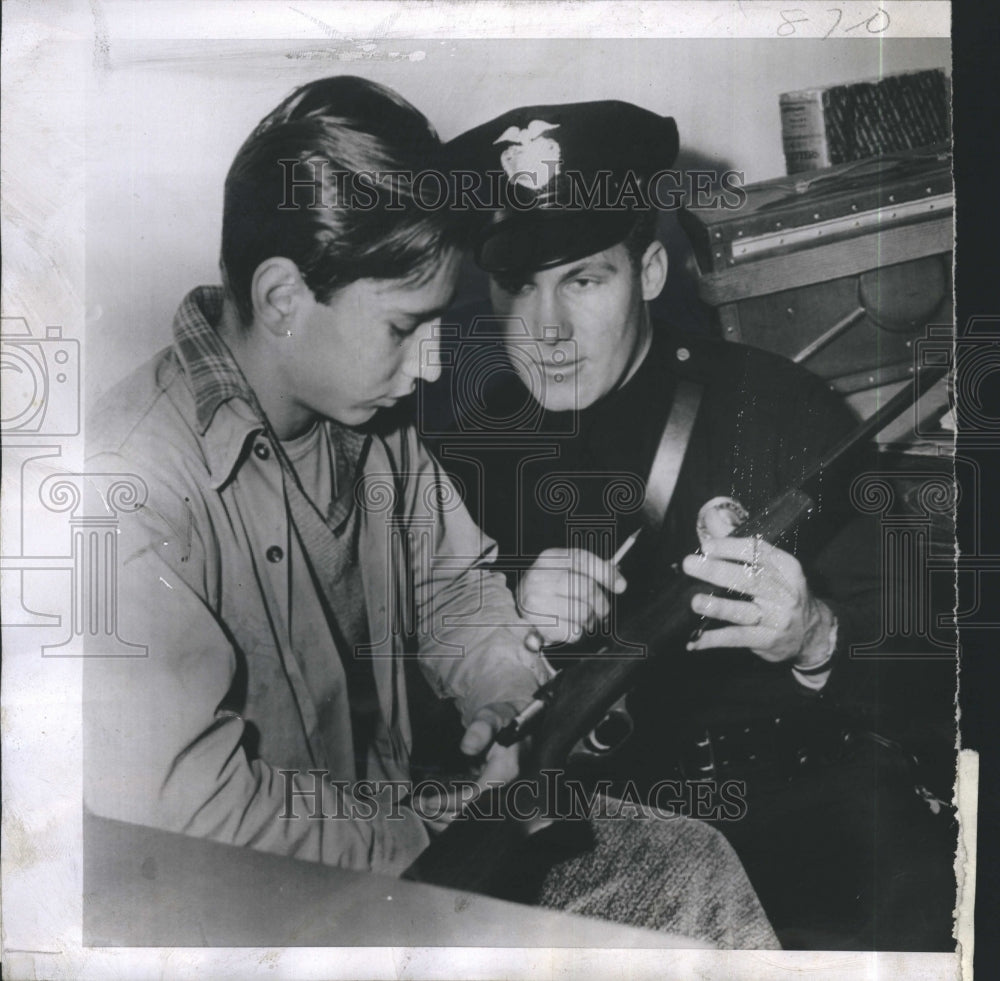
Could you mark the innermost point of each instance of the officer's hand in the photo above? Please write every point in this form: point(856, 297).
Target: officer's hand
point(782, 620)
point(566, 592)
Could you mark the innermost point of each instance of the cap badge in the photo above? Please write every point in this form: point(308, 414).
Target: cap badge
point(533, 159)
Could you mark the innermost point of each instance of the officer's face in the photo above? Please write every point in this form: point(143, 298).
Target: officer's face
point(576, 331)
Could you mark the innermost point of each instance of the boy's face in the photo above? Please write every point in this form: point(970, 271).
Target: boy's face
point(583, 326)
point(366, 348)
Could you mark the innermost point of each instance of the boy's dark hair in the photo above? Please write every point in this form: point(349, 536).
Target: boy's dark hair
point(340, 132)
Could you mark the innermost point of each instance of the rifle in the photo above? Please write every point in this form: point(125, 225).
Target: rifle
point(581, 710)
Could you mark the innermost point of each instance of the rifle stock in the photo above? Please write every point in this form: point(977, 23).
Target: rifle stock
point(478, 850)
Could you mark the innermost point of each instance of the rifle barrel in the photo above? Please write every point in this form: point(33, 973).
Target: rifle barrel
point(472, 854)
point(875, 423)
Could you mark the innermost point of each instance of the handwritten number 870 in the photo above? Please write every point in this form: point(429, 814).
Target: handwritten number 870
point(878, 23)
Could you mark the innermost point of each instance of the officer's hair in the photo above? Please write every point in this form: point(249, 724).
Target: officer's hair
point(641, 236)
point(335, 130)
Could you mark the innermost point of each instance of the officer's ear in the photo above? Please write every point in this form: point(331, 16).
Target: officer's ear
point(279, 295)
point(653, 270)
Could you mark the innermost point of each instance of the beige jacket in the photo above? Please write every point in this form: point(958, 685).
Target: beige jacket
point(242, 680)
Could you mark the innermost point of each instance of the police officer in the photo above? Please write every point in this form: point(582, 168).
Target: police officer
point(578, 419)
point(570, 245)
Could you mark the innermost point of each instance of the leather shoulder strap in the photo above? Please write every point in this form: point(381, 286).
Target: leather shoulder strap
point(670, 453)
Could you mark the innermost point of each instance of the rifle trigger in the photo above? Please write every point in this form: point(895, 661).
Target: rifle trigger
point(610, 732)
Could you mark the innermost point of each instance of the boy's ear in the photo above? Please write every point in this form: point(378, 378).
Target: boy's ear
point(653, 270)
point(277, 292)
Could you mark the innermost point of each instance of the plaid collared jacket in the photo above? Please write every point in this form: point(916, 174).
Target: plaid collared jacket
point(242, 680)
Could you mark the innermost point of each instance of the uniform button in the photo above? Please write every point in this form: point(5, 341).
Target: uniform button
point(683, 354)
point(275, 554)
point(262, 451)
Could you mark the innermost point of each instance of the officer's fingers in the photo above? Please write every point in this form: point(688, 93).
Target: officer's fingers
point(580, 587)
point(754, 551)
point(579, 611)
point(602, 571)
point(720, 572)
point(762, 582)
point(546, 572)
point(553, 560)
point(563, 613)
point(542, 596)
point(600, 605)
point(593, 602)
point(564, 624)
point(756, 638)
point(734, 549)
point(540, 582)
point(730, 610)
point(554, 633)
point(778, 558)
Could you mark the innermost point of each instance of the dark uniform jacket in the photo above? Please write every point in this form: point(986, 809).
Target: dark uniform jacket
point(538, 480)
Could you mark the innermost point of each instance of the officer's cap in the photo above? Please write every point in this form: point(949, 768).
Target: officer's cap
point(561, 182)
